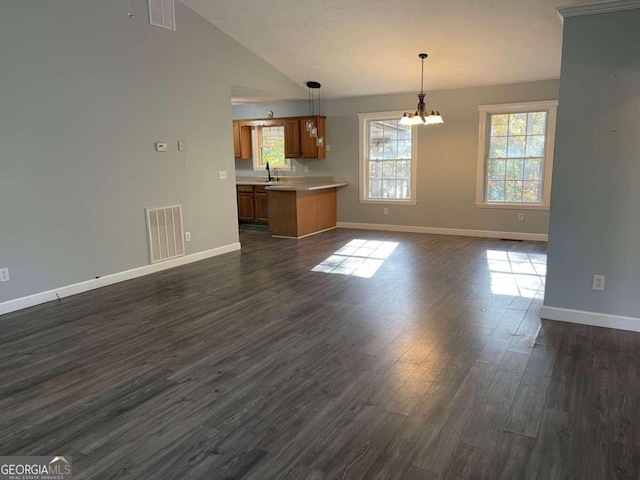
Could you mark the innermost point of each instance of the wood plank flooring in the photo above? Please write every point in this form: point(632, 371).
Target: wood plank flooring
point(252, 366)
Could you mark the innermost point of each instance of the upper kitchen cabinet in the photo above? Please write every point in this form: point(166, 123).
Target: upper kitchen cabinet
point(309, 147)
point(299, 142)
point(241, 140)
point(292, 142)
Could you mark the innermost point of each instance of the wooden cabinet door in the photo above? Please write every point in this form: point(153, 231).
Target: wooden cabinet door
point(309, 147)
point(245, 141)
point(321, 151)
point(241, 140)
point(246, 211)
point(308, 143)
point(292, 138)
point(236, 139)
point(261, 207)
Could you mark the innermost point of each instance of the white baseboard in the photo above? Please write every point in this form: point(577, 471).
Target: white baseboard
point(461, 232)
point(66, 291)
point(595, 319)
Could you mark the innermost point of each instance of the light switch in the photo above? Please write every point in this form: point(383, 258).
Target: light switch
point(222, 175)
point(182, 145)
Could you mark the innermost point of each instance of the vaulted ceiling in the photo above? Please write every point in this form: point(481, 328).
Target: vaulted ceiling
point(366, 47)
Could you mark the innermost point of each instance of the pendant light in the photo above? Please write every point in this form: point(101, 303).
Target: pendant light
point(422, 116)
point(314, 97)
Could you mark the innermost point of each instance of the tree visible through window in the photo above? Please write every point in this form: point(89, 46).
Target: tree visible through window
point(516, 152)
point(270, 149)
point(387, 159)
point(272, 146)
point(516, 161)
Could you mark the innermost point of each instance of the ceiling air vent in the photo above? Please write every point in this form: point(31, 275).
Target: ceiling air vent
point(162, 13)
point(166, 239)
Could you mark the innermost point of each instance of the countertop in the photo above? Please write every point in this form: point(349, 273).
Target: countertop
point(294, 186)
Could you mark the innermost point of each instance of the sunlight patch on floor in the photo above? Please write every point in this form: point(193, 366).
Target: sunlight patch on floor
point(358, 258)
point(517, 274)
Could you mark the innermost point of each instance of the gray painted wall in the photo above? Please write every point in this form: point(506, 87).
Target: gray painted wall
point(447, 156)
point(594, 227)
point(85, 92)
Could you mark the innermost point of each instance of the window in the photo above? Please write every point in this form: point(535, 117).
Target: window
point(270, 142)
point(515, 154)
point(387, 159)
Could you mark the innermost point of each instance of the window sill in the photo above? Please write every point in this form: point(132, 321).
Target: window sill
point(512, 206)
point(389, 201)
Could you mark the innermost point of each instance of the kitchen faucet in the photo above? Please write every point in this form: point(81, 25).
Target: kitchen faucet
point(268, 173)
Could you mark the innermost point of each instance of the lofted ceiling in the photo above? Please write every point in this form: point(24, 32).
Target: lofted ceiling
point(369, 47)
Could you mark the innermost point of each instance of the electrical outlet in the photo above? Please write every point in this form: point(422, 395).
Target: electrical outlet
point(222, 175)
point(187, 236)
point(521, 217)
point(182, 145)
point(598, 283)
point(306, 168)
point(385, 210)
point(293, 168)
point(328, 148)
point(4, 274)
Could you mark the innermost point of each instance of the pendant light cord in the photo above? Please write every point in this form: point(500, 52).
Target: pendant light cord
point(313, 97)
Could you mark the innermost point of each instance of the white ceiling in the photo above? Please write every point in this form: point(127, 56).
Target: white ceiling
point(366, 47)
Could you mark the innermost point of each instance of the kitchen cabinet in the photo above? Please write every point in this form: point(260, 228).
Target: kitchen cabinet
point(298, 142)
point(246, 208)
point(241, 140)
point(292, 143)
point(253, 204)
point(261, 205)
point(298, 213)
point(308, 144)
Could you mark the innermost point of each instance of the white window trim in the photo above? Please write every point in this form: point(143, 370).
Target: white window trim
point(363, 135)
point(256, 160)
point(551, 107)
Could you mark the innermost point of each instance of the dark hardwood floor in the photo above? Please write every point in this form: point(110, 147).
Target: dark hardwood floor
point(253, 366)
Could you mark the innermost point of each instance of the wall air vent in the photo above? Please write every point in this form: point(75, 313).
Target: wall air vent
point(166, 238)
point(162, 13)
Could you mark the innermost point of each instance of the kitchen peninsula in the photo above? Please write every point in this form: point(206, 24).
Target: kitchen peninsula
point(299, 209)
